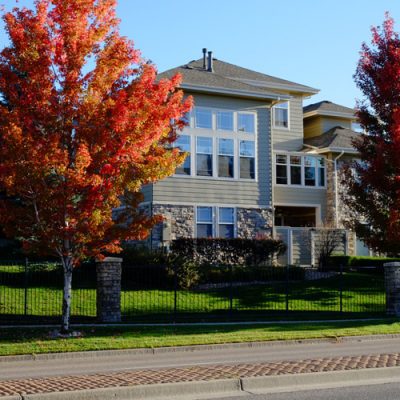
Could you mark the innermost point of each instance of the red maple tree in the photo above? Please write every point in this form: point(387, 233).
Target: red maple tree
point(83, 125)
point(374, 188)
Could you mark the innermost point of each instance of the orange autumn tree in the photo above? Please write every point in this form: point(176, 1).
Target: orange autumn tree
point(83, 125)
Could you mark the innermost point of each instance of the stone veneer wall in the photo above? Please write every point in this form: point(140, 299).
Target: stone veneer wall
point(250, 222)
point(253, 221)
point(330, 192)
point(182, 222)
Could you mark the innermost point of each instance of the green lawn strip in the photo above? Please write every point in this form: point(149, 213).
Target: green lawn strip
point(361, 293)
point(35, 341)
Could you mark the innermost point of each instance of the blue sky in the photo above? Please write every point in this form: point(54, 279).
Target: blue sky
point(313, 42)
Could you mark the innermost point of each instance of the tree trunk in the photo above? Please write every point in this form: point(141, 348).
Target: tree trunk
point(67, 293)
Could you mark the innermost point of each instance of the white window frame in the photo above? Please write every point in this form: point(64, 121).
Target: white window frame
point(215, 135)
point(303, 185)
point(273, 116)
point(195, 118)
point(175, 144)
point(215, 219)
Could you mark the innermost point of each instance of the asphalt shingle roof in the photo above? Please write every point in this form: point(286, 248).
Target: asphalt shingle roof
point(233, 77)
point(337, 137)
point(327, 106)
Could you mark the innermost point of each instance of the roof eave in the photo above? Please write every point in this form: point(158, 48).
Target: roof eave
point(324, 150)
point(306, 90)
point(324, 113)
point(234, 92)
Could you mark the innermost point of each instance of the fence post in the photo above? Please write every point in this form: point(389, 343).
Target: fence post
point(392, 288)
point(26, 287)
point(287, 289)
point(175, 294)
point(231, 291)
point(108, 290)
point(341, 288)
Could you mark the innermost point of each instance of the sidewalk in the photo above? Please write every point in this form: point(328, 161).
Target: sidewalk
point(218, 378)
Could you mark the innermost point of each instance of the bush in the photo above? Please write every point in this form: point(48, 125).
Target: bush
point(227, 251)
point(355, 262)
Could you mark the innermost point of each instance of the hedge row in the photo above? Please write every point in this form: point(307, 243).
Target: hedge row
point(360, 261)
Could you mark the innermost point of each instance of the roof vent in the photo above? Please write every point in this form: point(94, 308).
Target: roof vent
point(210, 62)
point(204, 58)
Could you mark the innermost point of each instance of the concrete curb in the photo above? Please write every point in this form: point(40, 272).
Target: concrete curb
point(290, 382)
point(211, 347)
point(171, 390)
point(228, 387)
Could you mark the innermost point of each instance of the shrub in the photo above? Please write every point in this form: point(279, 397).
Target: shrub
point(227, 251)
point(360, 261)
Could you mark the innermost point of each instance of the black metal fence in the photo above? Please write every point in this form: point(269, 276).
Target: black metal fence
point(32, 292)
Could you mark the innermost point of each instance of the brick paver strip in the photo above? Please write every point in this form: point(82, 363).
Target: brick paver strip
point(194, 373)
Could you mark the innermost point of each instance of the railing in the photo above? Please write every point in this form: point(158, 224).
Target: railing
point(32, 292)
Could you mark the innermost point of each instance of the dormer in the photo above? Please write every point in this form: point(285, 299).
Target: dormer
point(321, 117)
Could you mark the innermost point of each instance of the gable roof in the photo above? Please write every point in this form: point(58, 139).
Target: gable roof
point(328, 108)
point(337, 138)
point(232, 79)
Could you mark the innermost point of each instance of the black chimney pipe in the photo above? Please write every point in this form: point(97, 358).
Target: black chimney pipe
point(204, 58)
point(210, 62)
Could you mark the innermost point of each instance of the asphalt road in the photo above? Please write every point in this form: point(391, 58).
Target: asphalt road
point(387, 391)
point(97, 362)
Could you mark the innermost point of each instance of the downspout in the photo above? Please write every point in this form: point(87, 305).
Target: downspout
point(272, 165)
point(336, 189)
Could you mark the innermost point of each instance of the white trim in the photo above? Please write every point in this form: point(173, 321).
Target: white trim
point(237, 92)
point(215, 134)
point(324, 113)
point(285, 86)
point(303, 185)
point(202, 204)
point(281, 128)
point(215, 220)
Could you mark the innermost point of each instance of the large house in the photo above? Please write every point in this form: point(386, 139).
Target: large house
point(259, 163)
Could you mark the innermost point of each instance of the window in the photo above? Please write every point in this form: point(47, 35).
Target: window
point(204, 222)
point(215, 221)
point(281, 169)
point(183, 143)
point(281, 115)
point(225, 120)
point(295, 170)
point(226, 221)
point(247, 159)
point(300, 170)
point(203, 118)
point(225, 158)
point(204, 152)
point(321, 171)
point(245, 122)
point(309, 171)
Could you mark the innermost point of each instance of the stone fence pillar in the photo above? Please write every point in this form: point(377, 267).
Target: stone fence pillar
point(109, 289)
point(392, 288)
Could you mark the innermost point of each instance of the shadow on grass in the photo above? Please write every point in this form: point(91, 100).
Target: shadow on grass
point(25, 334)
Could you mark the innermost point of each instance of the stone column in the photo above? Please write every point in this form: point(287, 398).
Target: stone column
point(109, 289)
point(392, 288)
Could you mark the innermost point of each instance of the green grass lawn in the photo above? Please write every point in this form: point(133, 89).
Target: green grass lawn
point(362, 294)
point(36, 341)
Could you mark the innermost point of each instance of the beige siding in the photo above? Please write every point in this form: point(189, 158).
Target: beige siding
point(330, 122)
point(312, 127)
point(147, 191)
point(296, 196)
point(291, 139)
point(301, 247)
point(214, 191)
